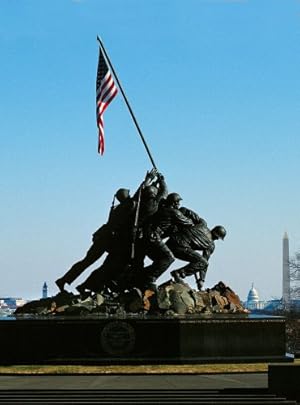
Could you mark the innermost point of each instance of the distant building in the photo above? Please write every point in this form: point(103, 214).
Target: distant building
point(11, 302)
point(253, 302)
point(45, 290)
point(286, 278)
point(273, 306)
point(290, 300)
point(3, 305)
point(4, 309)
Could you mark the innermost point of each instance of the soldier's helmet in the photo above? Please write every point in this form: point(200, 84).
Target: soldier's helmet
point(150, 192)
point(219, 232)
point(122, 194)
point(173, 198)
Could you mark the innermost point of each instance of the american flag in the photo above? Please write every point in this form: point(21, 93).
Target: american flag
point(105, 92)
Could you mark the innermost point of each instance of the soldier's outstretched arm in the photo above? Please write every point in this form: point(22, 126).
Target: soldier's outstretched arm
point(163, 188)
point(150, 176)
point(193, 216)
point(182, 220)
point(208, 252)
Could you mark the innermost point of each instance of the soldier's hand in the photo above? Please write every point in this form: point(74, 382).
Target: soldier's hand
point(149, 175)
point(153, 172)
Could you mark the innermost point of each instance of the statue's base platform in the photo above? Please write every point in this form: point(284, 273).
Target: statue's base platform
point(142, 340)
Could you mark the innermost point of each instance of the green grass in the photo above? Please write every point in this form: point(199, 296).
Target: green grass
point(136, 369)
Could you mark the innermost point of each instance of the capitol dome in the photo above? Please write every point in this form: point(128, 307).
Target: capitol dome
point(253, 295)
point(253, 299)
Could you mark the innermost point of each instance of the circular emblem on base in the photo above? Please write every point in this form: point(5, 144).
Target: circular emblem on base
point(117, 338)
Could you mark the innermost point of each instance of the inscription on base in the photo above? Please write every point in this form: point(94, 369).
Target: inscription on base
point(118, 338)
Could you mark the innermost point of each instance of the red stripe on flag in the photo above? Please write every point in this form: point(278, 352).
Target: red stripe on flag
point(106, 90)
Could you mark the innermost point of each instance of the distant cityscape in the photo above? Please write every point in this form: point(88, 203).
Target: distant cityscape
point(290, 293)
point(289, 299)
point(9, 304)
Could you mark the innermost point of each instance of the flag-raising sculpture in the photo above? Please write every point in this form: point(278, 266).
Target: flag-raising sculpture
point(150, 225)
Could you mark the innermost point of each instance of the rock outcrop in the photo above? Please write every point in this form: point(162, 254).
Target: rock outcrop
point(170, 299)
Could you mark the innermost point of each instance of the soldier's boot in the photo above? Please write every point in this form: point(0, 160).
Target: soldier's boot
point(83, 292)
point(80, 288)
point(178, 275)
point(201, 278)
point(200, 284)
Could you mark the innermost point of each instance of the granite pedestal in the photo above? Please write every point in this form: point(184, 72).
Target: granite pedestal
point(142, 340)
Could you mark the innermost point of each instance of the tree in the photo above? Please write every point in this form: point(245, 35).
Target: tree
point(294, 264)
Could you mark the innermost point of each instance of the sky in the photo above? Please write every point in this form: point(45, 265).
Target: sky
point(215, 88)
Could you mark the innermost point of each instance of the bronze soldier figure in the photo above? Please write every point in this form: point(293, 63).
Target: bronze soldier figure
point(150, 193)
point(186, 244)
point(104, 238)
point(159, 226)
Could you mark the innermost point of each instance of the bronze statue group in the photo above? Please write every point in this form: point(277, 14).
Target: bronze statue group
point(150, 224)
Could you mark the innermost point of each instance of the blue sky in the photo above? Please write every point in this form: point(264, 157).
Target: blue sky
point(215, 87)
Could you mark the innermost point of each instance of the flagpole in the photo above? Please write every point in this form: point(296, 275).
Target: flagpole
point(127, 103)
